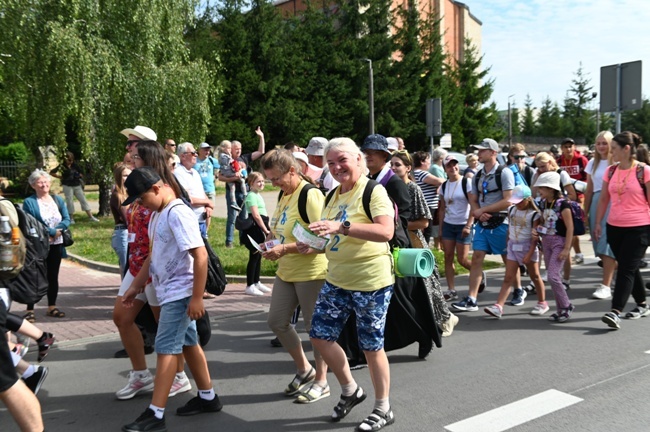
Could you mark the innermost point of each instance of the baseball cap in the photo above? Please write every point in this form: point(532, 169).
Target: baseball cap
point(312, 171)
point(549, 179)
point(138, 182)
point(448, 159)
point(142, 132)
point(568, 141)
point(487, 143)
point(392, 144)
point(204, 145)
point(375, 142)
point(519, 193)
point(316, 146)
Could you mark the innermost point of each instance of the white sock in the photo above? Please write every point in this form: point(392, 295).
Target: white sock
point(348, 389)
point(320, 384)
point(181, 375)
point(15, 358)
point(159, 412)
point(473, 299)
point(566, 281)
point(142, 373)
point(382, 405)
point(29, 371)
point(207, 394)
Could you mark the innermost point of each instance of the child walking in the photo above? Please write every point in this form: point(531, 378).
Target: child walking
point(229, 168)
point(256, 209)
point(177, 265)
point(524, 218)
point(555, 229)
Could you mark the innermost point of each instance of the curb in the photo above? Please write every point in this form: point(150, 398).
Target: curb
point(110, 268)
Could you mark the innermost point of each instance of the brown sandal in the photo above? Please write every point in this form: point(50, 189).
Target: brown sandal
point(55, 313)
point(29, 316)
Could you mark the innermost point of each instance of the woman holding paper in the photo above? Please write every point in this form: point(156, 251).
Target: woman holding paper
point(300, 276)
point(360, 278)
point(256, 210)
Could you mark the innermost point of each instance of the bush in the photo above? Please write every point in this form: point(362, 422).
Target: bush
point(14, 152)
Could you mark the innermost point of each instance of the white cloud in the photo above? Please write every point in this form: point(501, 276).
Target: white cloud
point(535, 46)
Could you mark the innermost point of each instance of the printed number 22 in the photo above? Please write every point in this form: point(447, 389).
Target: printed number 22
point(336, 241)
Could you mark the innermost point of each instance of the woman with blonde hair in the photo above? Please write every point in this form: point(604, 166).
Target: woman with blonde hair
point(595, 169)
point(544, 163)
point(472, 165)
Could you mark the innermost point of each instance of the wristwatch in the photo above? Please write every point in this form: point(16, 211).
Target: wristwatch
point(346, 227)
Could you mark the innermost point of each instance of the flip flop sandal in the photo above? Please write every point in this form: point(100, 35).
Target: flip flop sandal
point(313, 394)
point(298, 383)
point(55, 313)
point(29, 316)
point(376, 421)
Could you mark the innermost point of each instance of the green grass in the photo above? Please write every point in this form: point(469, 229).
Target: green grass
point(92, 241)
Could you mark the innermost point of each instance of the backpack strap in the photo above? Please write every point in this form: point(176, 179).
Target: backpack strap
point(302, 201)
point(463, 185)
point(367, 194)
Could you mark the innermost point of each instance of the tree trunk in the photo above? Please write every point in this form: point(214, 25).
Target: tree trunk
point(105, 186)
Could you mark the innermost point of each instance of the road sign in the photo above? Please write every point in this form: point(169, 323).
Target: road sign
point(434, 117)
point(445, 141)
point(620, 87)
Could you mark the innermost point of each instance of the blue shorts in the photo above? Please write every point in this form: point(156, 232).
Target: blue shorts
point(490, 241)
point(333, 308)
point(455, 233)
point(175, 328)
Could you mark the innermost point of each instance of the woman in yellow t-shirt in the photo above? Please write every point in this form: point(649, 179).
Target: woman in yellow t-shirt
point(299, 277)
point(359, 278)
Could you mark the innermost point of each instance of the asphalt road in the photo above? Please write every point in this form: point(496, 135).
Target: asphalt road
point(520, 373)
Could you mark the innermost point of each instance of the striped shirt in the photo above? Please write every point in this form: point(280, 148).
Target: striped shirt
point(430, 192)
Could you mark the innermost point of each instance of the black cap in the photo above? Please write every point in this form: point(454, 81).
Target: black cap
point(568, 140)
point(138, 182)
point(375, 142)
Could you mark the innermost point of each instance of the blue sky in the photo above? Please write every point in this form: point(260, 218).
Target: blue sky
point(535, 46)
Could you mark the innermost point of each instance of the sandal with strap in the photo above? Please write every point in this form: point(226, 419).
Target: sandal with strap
point(376, 421)
point(55, 313)
point(298, 383)
point(312, 394)
point(29, 316)
point(346, 404)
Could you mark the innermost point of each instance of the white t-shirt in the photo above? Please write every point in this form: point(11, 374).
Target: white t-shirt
point(329, 182)
point(456, 205)
point(597, 177)
point(172, 233)
point(191, 181)
point(521, 224)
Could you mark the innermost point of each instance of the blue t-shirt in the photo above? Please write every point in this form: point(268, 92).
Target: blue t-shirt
point(207, 169)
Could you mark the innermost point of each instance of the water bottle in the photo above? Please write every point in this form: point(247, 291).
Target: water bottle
point(6, 251)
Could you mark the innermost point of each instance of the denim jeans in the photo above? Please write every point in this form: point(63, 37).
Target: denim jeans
point(119, 242)
point(232, 214)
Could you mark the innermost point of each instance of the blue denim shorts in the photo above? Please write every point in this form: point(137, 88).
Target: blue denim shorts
point(333, 308)
point(491, 241)
point(175, 328)
point(455, 233)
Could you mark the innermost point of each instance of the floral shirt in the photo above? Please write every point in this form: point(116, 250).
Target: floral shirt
point(52, 217)
point(138, 221)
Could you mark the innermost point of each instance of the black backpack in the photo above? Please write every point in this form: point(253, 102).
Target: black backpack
point(302, 201)
point(31, 284)
point(463, 186)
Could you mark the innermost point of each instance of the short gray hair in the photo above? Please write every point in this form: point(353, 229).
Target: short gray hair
point(36, 175)
point(184, 147)
point(438, 154)
point(346, 145)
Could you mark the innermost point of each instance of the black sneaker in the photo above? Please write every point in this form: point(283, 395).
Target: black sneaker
point(44, 344)
point(146, 422)
point(35, 381)
point(275, 343)
point(483, 284)
point(346, 404)
point(196, 405)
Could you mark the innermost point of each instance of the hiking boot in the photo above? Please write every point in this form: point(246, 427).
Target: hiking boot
point(135, 385)
point(146, 422)
point(518, 297)
point(465, 305)
point(196, 405)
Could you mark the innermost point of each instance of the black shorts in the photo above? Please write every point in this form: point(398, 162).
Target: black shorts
point(8, 376)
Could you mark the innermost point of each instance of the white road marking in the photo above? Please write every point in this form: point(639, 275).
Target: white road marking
point(516, 413)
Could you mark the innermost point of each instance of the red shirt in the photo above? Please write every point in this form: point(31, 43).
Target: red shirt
point(575, 166)
point(138, 220)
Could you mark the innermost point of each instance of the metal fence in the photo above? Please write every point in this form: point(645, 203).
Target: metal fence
point(10, 170)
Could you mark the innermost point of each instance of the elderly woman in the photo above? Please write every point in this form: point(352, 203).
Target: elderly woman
point(73, 185)
point(359, 278)
point(51, 211)
point(300, 276)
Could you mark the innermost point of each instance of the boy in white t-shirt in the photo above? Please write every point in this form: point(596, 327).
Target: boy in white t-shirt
point(177, 265)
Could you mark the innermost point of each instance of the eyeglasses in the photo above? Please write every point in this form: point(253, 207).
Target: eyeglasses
point(192, 153)
point(519, 157)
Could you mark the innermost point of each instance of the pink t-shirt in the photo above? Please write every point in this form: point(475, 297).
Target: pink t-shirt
point(629, 206)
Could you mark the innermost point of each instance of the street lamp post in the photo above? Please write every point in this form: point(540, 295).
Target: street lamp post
point(509, 122)
point(371, 97)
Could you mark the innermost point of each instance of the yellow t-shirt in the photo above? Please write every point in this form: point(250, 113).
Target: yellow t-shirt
point(297, 267)
point(355, 264)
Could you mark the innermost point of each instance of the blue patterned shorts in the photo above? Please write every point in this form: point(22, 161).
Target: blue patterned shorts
point(333, 309)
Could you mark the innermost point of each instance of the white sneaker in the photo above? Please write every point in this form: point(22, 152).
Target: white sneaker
point(94, 219)
point(180, 386)
point(545, 276)
point(448, 326)
point(260, 286)
point(578, 258)
point(135, 385)
point(602, 292)
point(252, 290)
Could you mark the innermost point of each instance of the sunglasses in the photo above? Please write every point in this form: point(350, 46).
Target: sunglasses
point(519, 157)
point(485, 191)
point(171, 145)
point(192, 153)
